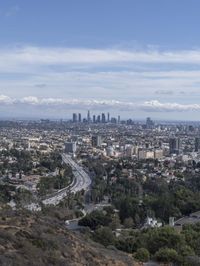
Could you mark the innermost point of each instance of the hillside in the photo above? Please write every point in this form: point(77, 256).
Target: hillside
point(38, 239)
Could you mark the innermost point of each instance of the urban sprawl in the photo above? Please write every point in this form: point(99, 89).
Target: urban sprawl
point(108, 173)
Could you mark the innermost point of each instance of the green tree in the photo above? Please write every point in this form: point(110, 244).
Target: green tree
point(104, 236)
point(167, 255)
point(95, 219)
point(142, 254)
point(128, 222)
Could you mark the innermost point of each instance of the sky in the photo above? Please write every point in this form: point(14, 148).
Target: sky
point(136, 58)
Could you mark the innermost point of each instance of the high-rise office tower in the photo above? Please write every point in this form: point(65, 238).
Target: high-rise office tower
point(94, 119)
point(113, 120)
point(79, 118)
point(197, 144)
point(98, 119)
point(74, 118)
point(108, 117)
point(103, 118)
point(174, 145)
point(118, 119)
point(149, 123)
point(88, 116)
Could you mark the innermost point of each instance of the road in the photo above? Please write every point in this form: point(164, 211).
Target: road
point(81, 181)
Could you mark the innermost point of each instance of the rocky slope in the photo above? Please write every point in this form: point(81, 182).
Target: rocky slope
point(38, 239)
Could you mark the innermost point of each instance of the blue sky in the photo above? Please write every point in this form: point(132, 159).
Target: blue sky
point(136, 58)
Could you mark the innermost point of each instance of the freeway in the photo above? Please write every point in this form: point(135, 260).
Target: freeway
point(81, 181)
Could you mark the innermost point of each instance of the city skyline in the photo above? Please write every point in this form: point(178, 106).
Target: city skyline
point(134, 61)
point(95, 118)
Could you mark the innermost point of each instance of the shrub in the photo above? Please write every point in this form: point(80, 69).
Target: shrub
point(142, 255)
point(104, 236)
point(167, 255)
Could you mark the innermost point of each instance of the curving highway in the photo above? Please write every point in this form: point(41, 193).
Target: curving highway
point(81, 181)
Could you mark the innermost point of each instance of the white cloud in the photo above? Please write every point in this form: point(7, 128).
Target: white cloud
point(29, 55)
point(42, 71)
point(29, 100)
point(157, 106)
point(55, 77)
point(153, 105)
point(5, 99)
point(123, 86)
